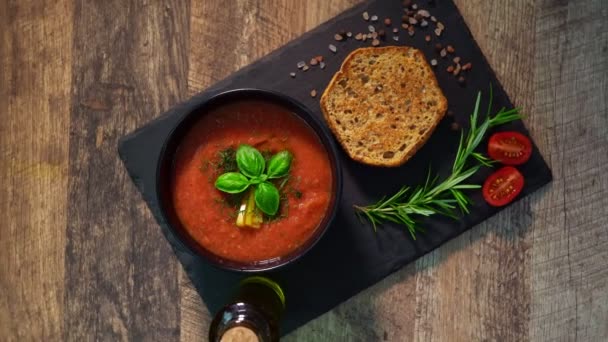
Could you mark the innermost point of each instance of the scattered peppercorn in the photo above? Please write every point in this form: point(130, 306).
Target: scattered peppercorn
point(388, 22)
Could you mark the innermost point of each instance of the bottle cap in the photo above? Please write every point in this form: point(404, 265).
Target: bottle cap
point(240, 334)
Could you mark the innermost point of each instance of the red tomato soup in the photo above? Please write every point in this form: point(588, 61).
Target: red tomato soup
point(207, 213)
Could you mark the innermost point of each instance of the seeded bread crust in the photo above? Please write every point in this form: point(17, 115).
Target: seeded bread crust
point(383, 104)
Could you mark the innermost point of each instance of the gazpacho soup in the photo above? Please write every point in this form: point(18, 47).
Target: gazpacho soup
point(251, 181)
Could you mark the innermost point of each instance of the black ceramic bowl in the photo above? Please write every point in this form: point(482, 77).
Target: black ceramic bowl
point(165, 171)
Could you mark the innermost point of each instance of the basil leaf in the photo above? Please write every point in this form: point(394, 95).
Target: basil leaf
point(232, 183)
point(279, 164)
point(250, 161)
point(258, 180)
point(255, 180)
point(267, 198)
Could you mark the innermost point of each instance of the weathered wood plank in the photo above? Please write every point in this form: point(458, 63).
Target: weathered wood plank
point(570, 245)
point(248, 31)
point(35, 62)
point(476, 287)
point(383, 312)
point(537, 271)
point(320, 11)
point(130, 64)
point(211, 57)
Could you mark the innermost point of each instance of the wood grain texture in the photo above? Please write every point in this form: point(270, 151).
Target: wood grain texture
point(35, 76)
point(81, 258)
point(250, 30)
point(121, 276)
point(570, 236)
point(482, 277)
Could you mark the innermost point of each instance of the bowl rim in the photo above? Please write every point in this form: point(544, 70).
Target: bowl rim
point(297, 109)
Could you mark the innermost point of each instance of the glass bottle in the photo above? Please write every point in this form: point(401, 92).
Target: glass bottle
point(253, 315)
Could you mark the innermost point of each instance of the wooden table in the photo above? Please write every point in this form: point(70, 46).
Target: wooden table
point(82, 259)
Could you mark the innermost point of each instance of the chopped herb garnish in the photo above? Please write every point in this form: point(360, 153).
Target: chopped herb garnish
point(267, 155)
point(227, 160)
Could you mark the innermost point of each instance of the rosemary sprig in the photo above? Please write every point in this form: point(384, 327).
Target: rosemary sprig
point(446, 197)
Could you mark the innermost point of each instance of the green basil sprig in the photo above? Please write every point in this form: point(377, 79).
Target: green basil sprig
point(251, 165)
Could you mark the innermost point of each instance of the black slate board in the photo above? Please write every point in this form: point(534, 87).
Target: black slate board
point(350, 257)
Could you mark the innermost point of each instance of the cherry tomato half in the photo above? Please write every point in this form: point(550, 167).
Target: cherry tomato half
point(503, 186)
point(510, 148)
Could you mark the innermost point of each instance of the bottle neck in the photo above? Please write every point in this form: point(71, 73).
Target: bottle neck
point(267, 298)
point(253, 315)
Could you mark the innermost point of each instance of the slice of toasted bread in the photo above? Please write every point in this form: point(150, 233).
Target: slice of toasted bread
point(383, 104)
